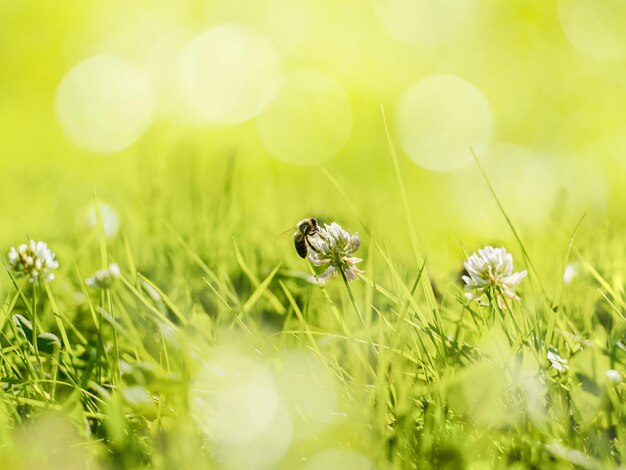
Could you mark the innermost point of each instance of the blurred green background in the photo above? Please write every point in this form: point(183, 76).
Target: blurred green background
point(166, 108)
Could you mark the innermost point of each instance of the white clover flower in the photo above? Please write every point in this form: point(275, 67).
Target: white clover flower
point(557, 361)
point(332, 247)
point(33, 259)
point(104, 278)
point(613, 376)
point(490, 271)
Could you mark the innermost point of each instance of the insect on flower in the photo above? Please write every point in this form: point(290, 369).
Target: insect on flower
point(333, 248)
point(33, 259)
point(302, 234)
point(305, 229)
point(490, 272)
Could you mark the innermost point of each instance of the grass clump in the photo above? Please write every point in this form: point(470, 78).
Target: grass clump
point(196, 340)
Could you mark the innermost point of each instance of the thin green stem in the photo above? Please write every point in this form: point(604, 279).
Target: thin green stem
point(34, 320)
point(357, 309)
point(351, 295)
point(344, 326)
point(497, 311)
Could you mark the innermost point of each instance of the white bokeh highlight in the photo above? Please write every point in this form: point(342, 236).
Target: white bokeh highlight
point(261, 452)
point(105, 103)
point(595, 28)
point(234, 401)
point(556, 186)
point(535, 188)
point(572, 270)
point(88, 217)
point(290, 21)
point(309, 391)
point(439, 118)
point(225, 72)
point(164, 63)
point(426, 21)
point(308, 119)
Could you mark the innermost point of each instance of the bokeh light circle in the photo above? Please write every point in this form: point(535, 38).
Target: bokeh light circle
point(164, 63)
point(595, 28)
point(50, 441)
point(233, 399)
point(554, 187)
point(535, 189)
point(425, 21)
point(290, 21)
point(471, 201)
point(264, 450)
point(439, 118)
point(225, 71)
point(105, 103)
point(309, 391)
point(308, 120)
point(110, 219)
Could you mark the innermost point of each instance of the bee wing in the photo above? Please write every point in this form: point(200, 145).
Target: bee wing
point(287, 234)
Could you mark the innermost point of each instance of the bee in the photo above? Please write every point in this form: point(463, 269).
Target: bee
point(304, 229)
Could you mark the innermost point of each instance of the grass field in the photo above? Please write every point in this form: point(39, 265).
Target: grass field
point(182, 330)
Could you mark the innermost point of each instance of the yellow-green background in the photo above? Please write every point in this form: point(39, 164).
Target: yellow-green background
point(545, 94)
point(554, 77)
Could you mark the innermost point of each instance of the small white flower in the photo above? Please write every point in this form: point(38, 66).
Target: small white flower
point(33, 259)
point(491, 271)
point(104, 278)
point(557, 361)
point(613, 376)
point(333, 248)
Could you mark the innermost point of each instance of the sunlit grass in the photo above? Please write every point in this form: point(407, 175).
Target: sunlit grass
point(217, 347)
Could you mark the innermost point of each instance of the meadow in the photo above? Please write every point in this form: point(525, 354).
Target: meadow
point(164, 152)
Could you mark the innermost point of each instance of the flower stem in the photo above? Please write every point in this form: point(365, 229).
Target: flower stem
point(512, 316)
point(344, 327)
point(34, 319)
point(34, 326)
point(356, 308)
point(351, 295)
point(493, 300)
point(115, 374)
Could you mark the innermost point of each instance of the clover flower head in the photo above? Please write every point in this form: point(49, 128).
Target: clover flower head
point(333, 248)
point(556, 361)
point(490, 271)
point(104, 278)
point(33, 259)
